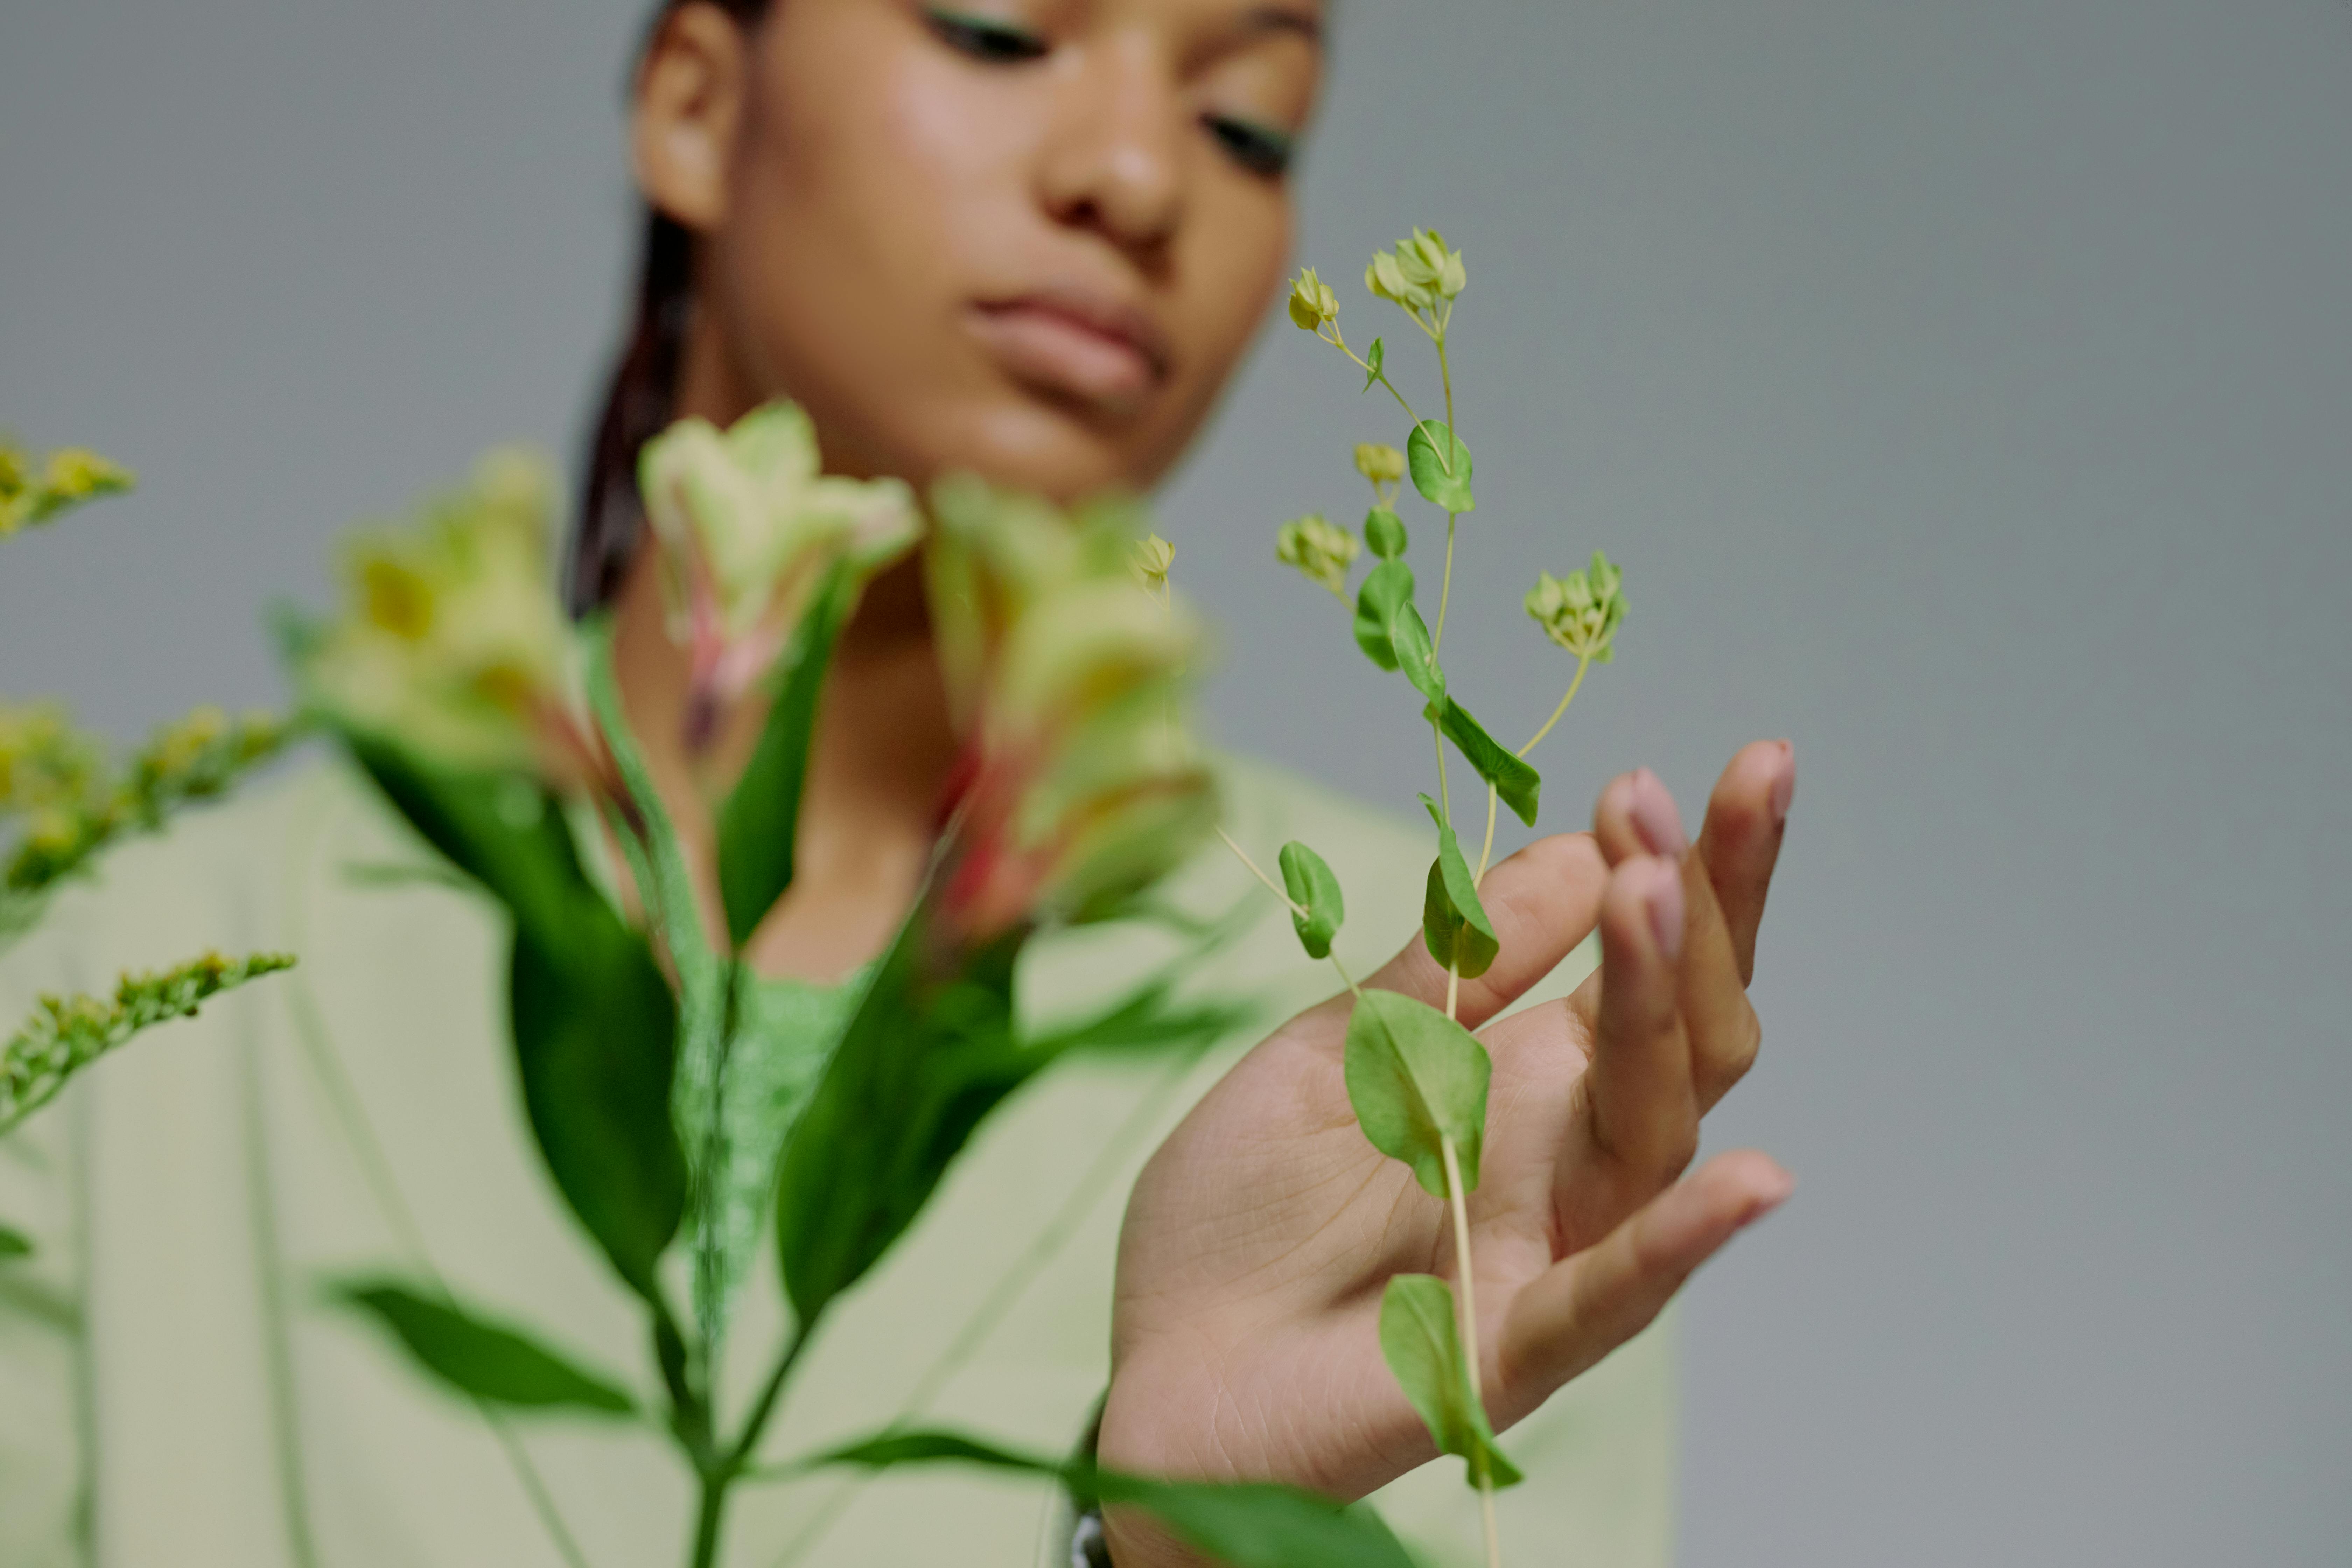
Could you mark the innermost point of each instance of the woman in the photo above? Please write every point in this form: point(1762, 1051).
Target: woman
point(1029, 240)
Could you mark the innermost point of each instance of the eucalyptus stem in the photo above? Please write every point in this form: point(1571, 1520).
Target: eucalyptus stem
point(1272, 886)
point(1487, 850)
point(1581, 666)
point(1460, 1204)
point(1445, 588)
point(1381, 375)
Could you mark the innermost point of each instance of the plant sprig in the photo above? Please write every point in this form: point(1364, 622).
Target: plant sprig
point(1416, 1077)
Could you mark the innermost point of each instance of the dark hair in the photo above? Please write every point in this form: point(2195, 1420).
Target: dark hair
point(643, 392)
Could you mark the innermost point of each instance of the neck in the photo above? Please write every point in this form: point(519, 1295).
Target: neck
point(882, 753)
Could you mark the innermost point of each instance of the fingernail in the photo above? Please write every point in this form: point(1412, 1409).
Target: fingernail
point(1655, 817)
point(1664, 901)
point(1784, 784)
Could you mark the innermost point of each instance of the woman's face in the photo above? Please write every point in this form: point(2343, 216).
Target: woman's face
point(1029, 238)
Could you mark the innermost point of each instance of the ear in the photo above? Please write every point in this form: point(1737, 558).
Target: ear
point(688, 100)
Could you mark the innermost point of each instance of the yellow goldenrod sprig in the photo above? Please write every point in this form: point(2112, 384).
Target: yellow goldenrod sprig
point(66, 1033)
point(56, 780)
point(31, 495)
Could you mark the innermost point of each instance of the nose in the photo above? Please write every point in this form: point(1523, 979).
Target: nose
point(1114, 163)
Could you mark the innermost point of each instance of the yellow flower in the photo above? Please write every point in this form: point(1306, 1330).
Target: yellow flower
point(76, 473)
point(1150, 559)
point(1582, 611)
point(1421, 271)
point(70, 476)
point(1320, 548)
point(1381, 463)
point(1312, 303)
point(451, 640)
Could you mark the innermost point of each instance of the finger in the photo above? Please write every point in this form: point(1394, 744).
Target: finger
point(1636, 814)
point(1637, 1090)
point(1745, 820)
point(1542, 901)
point(1585, 1306)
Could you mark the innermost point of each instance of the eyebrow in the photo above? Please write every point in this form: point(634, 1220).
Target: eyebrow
point(1282, 19)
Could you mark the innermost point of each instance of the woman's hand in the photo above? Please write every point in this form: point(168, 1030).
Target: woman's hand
point(1245, 1341)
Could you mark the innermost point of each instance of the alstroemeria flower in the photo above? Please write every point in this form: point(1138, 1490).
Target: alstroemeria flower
point(450, 640)
point(1078, 785)
point(749, 525)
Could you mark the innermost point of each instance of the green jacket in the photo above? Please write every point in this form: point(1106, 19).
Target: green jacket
point(176, 1390)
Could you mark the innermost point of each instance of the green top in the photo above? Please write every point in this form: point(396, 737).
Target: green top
point(175, 1387)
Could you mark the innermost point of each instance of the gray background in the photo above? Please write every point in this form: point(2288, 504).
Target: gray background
point(1968, 389)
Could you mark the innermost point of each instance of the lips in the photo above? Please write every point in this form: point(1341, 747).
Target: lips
point(1075, 344)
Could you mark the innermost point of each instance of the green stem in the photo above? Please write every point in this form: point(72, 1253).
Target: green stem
point(1581, 666)
point(1444, 795)
point(1381, 375)
point(1445, 588)
point(1459, 1203)
point(1487, 851)
point(708, 1520)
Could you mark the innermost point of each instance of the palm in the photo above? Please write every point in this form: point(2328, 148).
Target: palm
point(1259, 1237)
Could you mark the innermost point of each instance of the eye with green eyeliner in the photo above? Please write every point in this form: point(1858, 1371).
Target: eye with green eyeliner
point(989, 40)
point(1260, 148)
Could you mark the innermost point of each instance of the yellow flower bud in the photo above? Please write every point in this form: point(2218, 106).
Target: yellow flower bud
point(1582, 611)
point(76, 473)
point(1312, 303)
point(1320, 548)
point(1381, 463)
point(1150, 559)
point(1385, 278)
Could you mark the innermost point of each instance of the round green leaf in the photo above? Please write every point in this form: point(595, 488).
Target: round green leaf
point(1416, 1079)
point(1388, 585)
point(1311, 884)
point(1424, 1349)
point(1453, 918)
point(1409, 640)
point(1384, 532)
point(1441, 466)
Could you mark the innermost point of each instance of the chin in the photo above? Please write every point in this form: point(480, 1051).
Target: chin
point(1025, 443)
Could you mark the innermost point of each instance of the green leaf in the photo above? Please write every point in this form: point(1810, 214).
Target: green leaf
point(1384, 534)
point(1312, 886)
point(1514, 778)
point(595, 1037)
point(1388, 586)
point(1261, 1526)
point(1424, 1348)
point(594, 1023)
point(1453, 918)
point(1374, 357)
point(931, 1051)
point(1409, 637)
point(13, 1243)
point(483, 1359)
point(1149, 1019)
point(1246, 1525)
point(503, 831)
point(1416, 1079)
point(1440, 464)
point(759, 823)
